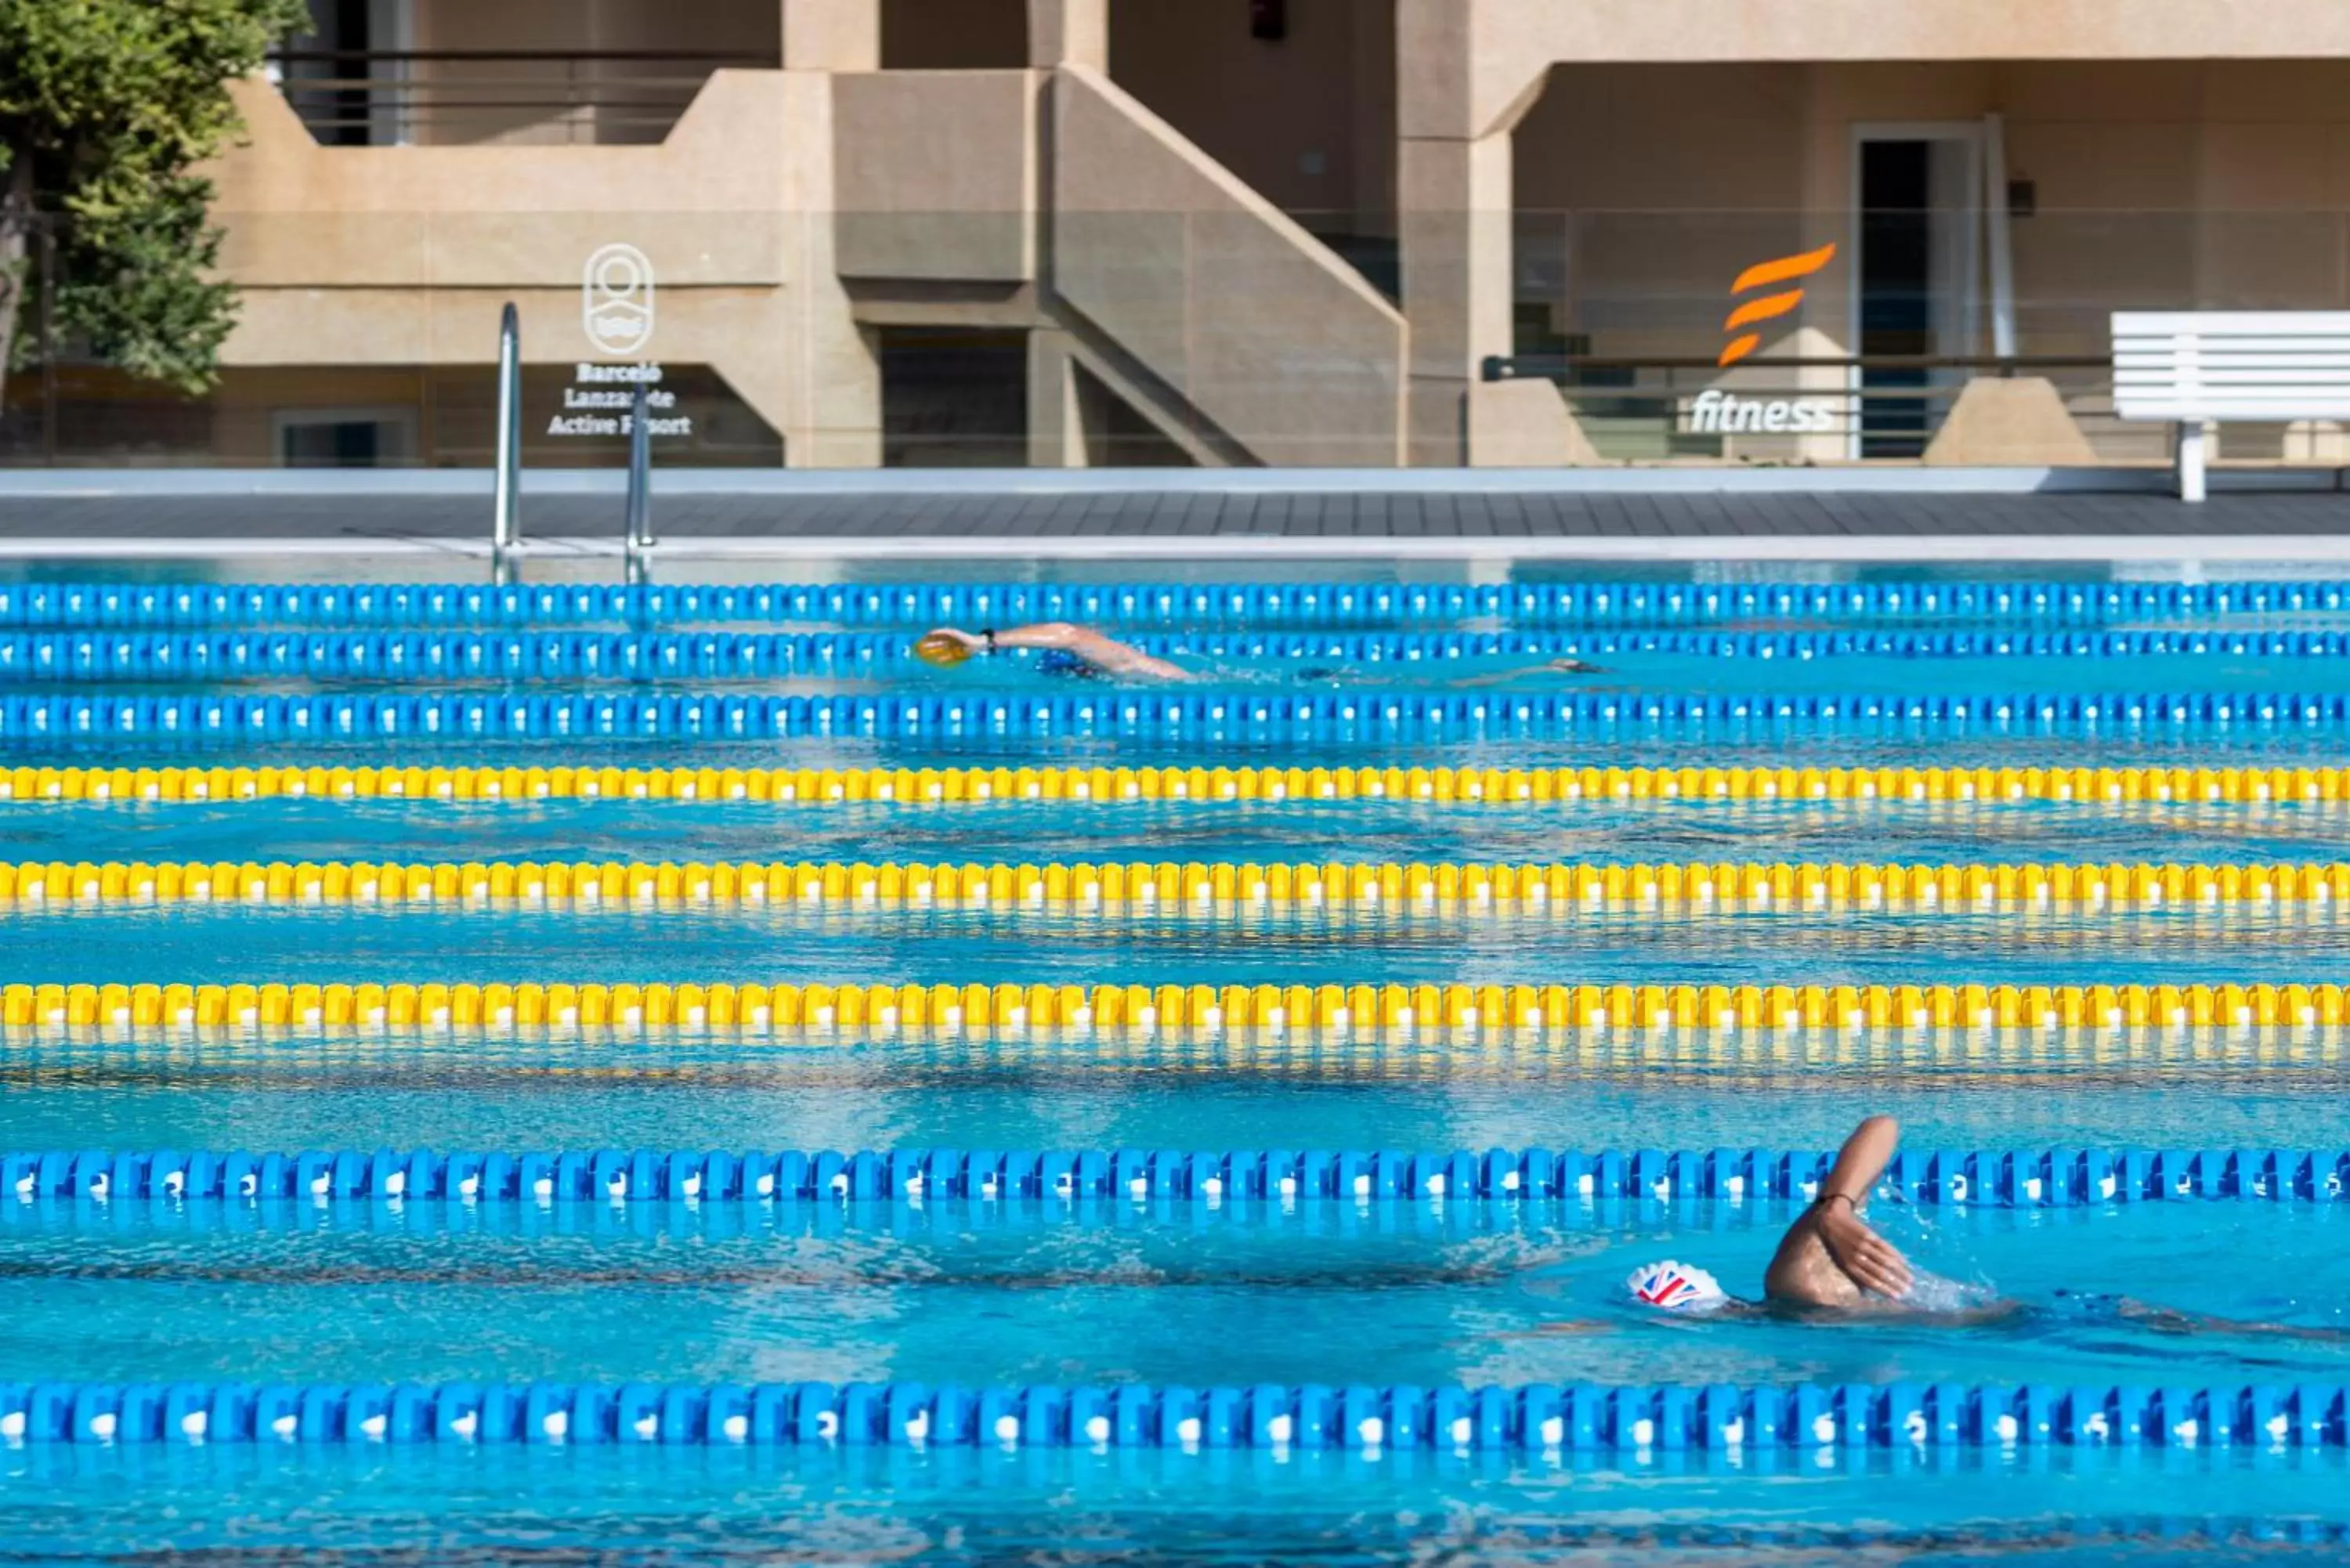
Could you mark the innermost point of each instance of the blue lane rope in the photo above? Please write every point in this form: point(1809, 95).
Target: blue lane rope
point(1639, 1419)
point(1143, 606)
point(629, 656)
point(1301, 1223)
point(1191, 714)
point(2056, 1177)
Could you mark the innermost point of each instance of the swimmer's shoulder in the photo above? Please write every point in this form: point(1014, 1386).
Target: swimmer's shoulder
point(1802, 1274)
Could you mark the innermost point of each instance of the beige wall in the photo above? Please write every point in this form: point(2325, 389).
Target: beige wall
point(403, 255)
point(1484, 62)
point(1308, 122)
point(940, 172)
point(1926, 30)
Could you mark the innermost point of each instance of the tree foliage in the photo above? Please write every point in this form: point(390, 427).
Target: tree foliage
point(106, 106)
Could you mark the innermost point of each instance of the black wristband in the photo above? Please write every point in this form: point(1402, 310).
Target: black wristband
point(989, 633)
point(1831, 1197)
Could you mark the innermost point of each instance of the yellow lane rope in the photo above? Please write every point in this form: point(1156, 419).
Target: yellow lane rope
point(1361, 1014)
point(951, 786)
point(1112, 889)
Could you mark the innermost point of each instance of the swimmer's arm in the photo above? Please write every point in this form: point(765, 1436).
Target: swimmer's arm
point(2169, 1320)
point(1102, 652)
point(1872, 1263)
point(1554, 666)
point(1105, 653)
point(1042, 634)
point(1861, 1160)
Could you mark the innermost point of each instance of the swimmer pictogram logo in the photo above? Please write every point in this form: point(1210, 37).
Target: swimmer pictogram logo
point(616, 299)
point(1765, 307)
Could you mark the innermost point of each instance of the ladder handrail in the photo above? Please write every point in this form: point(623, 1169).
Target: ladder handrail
point(505, 524)
point(637, 526)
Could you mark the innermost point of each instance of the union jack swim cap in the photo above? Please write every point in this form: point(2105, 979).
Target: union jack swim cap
point(1676, 1287)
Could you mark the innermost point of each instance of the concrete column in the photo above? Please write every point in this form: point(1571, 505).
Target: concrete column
point(1467, 71)
point(1069, 33)
point(832, 35)
point(831, 365)
point(1061, 417)
point(1063, 413)
point(831, 368)
point(1454, 220)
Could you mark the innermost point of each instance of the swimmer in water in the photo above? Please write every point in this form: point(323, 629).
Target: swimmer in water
point(1080, 651)
point(1831, 1264)
point(1068, 650)
point(1830, 1259)
point(1829, 1256)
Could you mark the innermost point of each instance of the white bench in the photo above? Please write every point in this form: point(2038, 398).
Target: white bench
point(2186, 366)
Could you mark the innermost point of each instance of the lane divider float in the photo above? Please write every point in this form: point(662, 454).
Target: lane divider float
point(1638, 1420)
point(1113, 888)
point(573, 656)
point(142, 1223)
point(1390, 1013)
point(960, 786)
point(2045, 1177)
point(1189, 716)
point(199, 606)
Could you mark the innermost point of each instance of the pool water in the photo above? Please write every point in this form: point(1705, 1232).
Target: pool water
point(588, 1506)
point(1593, 832)
point(1418, 1291)
point(1125, 1294)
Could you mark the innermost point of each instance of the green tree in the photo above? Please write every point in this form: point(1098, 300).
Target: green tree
point(106, 108)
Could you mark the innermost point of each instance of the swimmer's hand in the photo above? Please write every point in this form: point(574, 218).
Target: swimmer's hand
point(956, 634)
point(1871, 1262)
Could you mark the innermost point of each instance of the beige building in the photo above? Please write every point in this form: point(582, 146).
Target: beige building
point(1356, 232)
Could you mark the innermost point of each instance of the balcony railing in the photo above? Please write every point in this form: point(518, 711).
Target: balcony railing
point(390, 98)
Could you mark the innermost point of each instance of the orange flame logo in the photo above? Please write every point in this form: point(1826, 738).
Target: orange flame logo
point(1761, 275)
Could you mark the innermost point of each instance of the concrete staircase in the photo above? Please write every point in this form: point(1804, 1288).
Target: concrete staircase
point(1222, 321)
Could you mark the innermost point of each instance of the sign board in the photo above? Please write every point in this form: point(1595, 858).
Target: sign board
point(615, 313)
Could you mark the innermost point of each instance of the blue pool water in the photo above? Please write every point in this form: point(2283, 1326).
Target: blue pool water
point(1595, 833)
point(365, 1292)
point(1161, 1296)
point(705, 1506)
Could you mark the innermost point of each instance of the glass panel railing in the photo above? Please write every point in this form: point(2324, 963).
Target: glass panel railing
point(370, 339)
point(1229, 333)
point(1828, 336)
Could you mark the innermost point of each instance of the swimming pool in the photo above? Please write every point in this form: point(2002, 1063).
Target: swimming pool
point(407, 991)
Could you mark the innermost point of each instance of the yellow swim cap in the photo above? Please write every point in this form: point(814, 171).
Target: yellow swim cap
point(937, 647)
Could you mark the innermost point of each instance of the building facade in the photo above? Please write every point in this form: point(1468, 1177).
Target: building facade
point(1344, 233)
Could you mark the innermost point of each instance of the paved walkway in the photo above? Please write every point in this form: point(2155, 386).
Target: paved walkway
point(699, 516)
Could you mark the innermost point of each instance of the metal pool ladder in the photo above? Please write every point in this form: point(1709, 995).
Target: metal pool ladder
point(637, 543)
point(505, 517)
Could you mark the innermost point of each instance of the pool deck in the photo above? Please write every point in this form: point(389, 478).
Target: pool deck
point(1689, 514)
